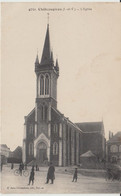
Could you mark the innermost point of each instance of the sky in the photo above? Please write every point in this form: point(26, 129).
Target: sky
point(85, 37)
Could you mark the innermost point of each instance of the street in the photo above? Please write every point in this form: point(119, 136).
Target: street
point(63, 183)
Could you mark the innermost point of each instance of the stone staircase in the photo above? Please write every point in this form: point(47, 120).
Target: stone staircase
point(34, 162)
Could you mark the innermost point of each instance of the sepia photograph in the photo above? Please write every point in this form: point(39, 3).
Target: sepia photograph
point(61, 98)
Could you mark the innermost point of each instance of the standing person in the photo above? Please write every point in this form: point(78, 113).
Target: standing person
point(22, 165)
point(25, 166)
point(1, 166)
point(33, 167)
point(20, 169)
point(31, 177)
point(12, 165)
point(50, 174)
point(75, 175)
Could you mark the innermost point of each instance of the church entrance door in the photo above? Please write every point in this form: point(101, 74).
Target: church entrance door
point(42, 155)
point(42, 152)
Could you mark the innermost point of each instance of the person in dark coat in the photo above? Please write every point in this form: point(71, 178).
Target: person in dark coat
point(20, 169)
point(33, 167)
point(75, 175)
point(22, 165)
point(12, 165)
point(1, 166)
point(31, 177)
point(25, 166)
point(50, 174)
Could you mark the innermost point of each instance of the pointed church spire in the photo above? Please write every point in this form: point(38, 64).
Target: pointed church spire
point(46, 55)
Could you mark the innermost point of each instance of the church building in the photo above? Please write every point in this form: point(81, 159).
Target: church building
point(48, 135)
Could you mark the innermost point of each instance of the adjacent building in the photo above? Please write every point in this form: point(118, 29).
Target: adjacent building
point(48, 134)
point(4, 150)
point(114, 148)
point(16, 155)
point(4, 153)
point(94, 138)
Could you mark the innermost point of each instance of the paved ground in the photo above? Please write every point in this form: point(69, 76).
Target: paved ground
point(62, 184)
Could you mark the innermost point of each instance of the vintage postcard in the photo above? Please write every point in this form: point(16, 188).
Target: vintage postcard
point(61, 90)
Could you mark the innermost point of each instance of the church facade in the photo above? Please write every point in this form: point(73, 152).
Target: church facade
point(48, 135)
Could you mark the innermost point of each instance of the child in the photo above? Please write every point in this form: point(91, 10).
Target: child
point(31, 178)
point(75, 175)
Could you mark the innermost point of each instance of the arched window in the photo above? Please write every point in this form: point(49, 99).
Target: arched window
point(114, 148)
point(120, 148)
point(31, 130)
point(55, 128)
point(55, 148)
point(31, 149)
point(46, 85)
point(41, 85)
point(60, 130)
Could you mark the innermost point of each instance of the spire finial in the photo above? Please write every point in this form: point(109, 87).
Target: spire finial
point(37, 58)
point(57, 66)
point(52, 56)
point(48, 18)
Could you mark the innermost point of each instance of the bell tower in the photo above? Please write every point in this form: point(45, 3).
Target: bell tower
point(47, 73)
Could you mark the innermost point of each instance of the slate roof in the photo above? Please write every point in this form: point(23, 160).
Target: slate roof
point(89, 127)
point(115, 138)
point(19, 148)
